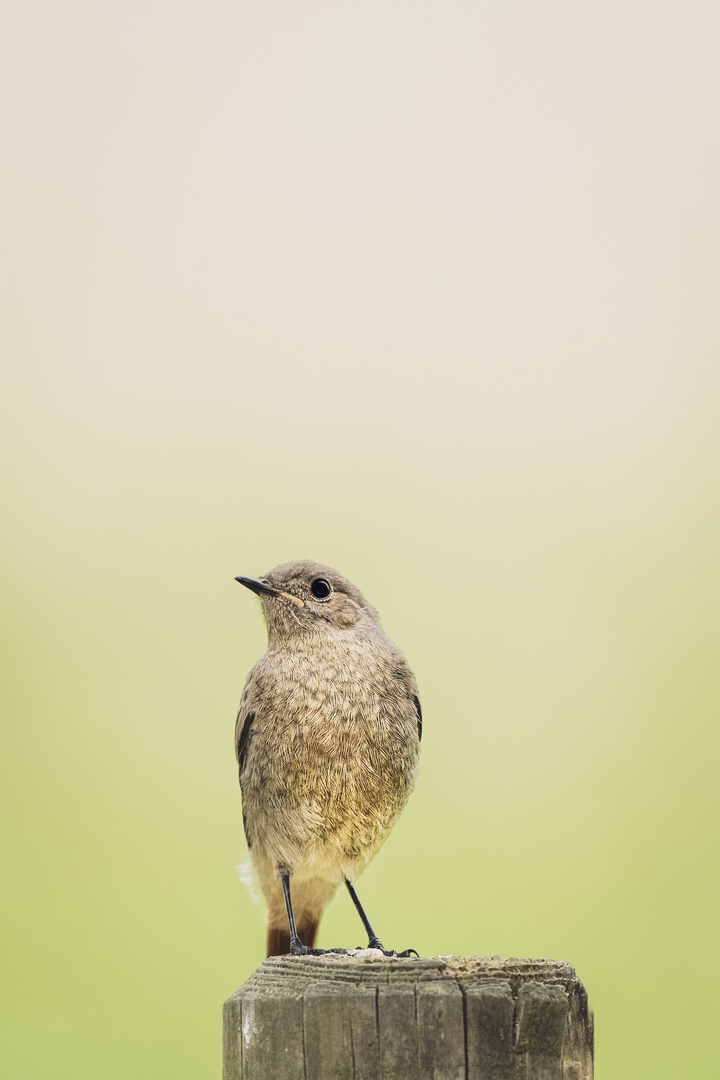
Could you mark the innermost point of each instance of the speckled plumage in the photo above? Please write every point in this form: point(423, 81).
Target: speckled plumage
point(327, 738)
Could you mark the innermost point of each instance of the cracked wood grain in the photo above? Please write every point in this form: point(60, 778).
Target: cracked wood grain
point(369, 1017)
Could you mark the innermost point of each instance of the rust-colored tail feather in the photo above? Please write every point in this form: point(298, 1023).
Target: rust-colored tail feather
point(278, 939)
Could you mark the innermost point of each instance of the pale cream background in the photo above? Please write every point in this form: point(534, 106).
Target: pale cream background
point(428, 291)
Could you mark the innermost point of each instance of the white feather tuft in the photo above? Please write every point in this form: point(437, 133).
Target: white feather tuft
point(246, 874)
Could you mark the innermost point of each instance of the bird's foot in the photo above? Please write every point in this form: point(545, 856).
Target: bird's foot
point(298, 949)
point(376, 943)
point(399, 955)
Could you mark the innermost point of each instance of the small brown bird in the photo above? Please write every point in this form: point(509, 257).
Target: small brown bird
point(327, 741)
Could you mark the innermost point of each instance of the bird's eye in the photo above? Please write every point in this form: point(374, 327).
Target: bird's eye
point(321, 588)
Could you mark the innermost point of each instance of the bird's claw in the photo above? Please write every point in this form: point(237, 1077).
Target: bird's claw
point(298, 949)
point(391, 952)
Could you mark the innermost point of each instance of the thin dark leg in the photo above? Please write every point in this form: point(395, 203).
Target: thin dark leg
point(296, 946)
point(295, 943)
point(374, 941)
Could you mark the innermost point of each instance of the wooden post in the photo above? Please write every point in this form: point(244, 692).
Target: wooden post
point(365, 1016)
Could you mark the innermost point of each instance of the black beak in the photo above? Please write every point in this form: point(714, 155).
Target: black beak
point(263, 588)
point(259, 586)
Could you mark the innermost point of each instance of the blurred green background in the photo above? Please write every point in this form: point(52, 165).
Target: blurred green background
point(426, 291)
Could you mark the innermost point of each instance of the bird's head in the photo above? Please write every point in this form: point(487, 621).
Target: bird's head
point(305, 597)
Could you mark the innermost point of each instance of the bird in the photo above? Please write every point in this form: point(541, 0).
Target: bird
point(327, 741)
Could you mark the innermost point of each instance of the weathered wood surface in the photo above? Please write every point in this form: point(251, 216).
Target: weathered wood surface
point(370, 1017)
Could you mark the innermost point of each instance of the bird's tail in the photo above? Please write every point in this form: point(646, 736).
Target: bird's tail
point(278, 938)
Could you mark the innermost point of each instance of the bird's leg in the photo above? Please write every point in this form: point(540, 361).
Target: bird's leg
point(296, 946)
point(374, 941)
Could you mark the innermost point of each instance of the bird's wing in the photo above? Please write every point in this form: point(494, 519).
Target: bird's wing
point(243, 724)
point(418, 710)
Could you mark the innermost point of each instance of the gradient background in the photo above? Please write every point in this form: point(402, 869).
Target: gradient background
point(427, 291)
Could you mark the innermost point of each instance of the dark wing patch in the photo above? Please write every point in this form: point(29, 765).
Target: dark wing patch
point(243, 725)
point(418, 710)
point(242, 738)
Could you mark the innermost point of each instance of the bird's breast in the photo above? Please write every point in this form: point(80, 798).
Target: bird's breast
point(343, 705)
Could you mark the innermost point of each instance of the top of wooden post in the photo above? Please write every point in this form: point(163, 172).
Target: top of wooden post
point(365, 1016)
